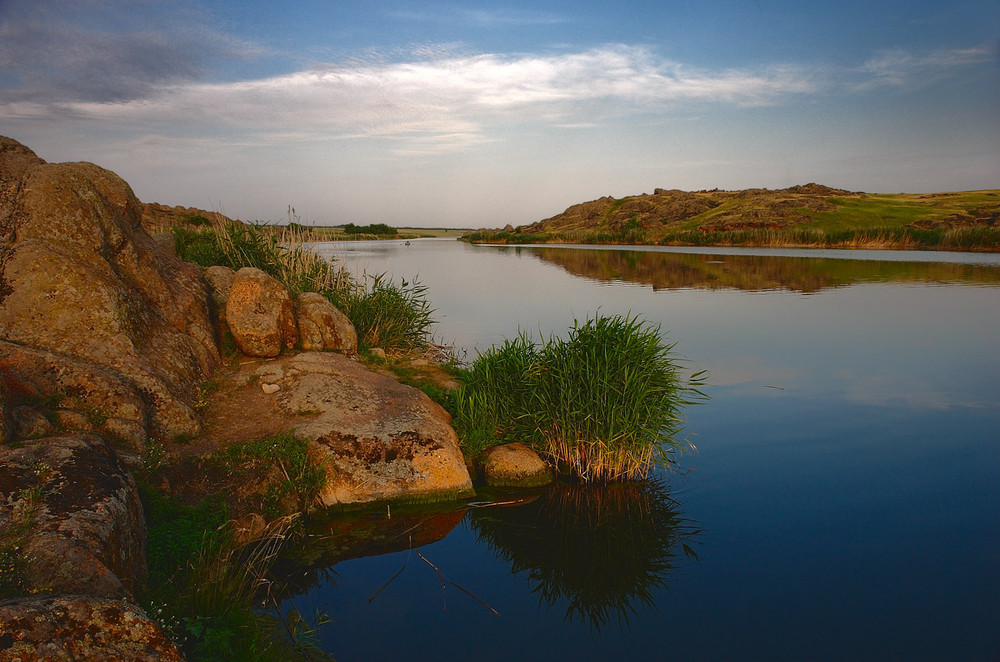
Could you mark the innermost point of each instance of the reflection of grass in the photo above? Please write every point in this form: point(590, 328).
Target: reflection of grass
point(601, 551)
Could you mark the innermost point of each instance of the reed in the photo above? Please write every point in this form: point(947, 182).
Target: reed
point(605, 404)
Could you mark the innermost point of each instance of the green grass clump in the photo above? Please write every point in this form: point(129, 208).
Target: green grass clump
point(293, 478)
point(604, 404)
point(386, 314)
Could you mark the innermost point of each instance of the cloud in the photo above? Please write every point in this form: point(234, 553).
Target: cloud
point(898, 67)
point(452, 100)
point(54, 52)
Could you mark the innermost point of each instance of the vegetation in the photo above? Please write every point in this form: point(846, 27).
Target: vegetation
point(810, 216)
point(377, 229)
point(291, 478)
point(205, 586)
point(395, 317)
point(604, 404)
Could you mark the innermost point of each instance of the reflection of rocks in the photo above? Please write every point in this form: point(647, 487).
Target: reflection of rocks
point(670, 270)
point(598, 550)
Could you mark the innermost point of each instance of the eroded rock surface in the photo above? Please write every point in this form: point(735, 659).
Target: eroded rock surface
point(75, 514)
point(260, 314)
point(81, 279)
point(381, 440)
point(80, 628)
point(322, 326)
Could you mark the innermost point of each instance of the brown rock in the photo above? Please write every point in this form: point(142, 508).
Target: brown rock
point(81, 628)
point(221, 280)
point(260, 314)
point(106, 401)
point(381, 440)
point(83, 280)
point(322, 326)
point(514, 465)
point(76, 515)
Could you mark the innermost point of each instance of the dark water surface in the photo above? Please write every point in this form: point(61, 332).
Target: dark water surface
point(842, 503)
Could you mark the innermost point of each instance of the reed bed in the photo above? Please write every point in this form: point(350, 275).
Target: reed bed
point(605, 404)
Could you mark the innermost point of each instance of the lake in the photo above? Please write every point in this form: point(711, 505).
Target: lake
point(842, 503)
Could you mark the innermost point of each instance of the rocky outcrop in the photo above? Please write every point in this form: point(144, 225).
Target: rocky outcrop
point(84, 282)
point(322, 326)
point(514, 465)
point(380, 440)
point(75, 515)
point(260, 314)
point(80, 628)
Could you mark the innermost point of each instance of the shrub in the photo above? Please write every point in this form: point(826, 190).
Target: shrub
point(384, 314)
point(604, 404)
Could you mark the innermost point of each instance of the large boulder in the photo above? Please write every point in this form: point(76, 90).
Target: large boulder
point(322, 326)
point(380, 440)
point(81, 279)
point(75, 516)
point(260, 314)
point(78, 627)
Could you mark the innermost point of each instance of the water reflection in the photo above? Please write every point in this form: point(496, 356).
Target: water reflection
point(600, 550)
point(667, 270)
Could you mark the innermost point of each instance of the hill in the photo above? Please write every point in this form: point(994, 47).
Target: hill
point(807, 215)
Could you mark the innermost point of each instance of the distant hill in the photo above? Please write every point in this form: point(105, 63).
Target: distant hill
point(810, 214)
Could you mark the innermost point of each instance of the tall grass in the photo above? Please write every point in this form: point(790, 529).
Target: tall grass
point(386, 314)
point(604, 404)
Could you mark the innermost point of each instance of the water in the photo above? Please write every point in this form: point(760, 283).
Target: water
point(842, 503)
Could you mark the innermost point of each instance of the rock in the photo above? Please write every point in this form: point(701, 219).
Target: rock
point(322, 326)
point(81, 628)
point(270, 388)
point(381, 440)
point(166, 241)
point(106, 401)
point(30, 423)
point(514, 465)
point(76, 516)
point(84, 281)
point(6, 416)
point(221, 280)
point(260, 314)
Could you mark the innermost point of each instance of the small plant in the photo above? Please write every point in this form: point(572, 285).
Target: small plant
point(294, 478)
point(604, 404)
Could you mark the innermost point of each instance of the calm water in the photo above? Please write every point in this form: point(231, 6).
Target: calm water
point(842, 503)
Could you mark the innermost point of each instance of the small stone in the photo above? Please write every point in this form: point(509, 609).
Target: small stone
point(515, 465)
point(270, 388)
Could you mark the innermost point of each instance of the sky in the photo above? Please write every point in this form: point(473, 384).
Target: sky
point(479, 114)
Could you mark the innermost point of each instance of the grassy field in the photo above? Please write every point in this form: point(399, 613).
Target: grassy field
point(801, 216)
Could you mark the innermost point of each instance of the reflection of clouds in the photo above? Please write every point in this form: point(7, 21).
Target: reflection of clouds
point(748, 371)
point(909, 391)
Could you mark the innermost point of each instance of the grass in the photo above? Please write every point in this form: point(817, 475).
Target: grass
point(393, 316)
point(291, 477)
point(603, 405)
point(205, 587)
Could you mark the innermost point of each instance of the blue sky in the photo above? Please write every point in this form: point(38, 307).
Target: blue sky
point(479, 114)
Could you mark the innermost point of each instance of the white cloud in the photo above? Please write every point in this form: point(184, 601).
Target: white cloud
point(898, 67)
point(453, 98)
